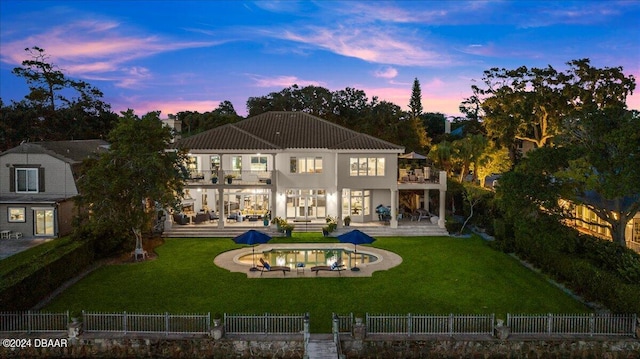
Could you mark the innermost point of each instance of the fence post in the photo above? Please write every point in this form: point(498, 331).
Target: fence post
point(450, 324)
point(29, 322)
point(265, 322)
point(592, 324)
point(549, 322)
point(208, 322)
point(634, 327)
point(409, 325)
point(336, 327)
point(124, 321)
point(166, 323)
point(306, 335)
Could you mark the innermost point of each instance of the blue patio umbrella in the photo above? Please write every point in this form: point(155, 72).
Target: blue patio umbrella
point(252, 237)
point(356, 237)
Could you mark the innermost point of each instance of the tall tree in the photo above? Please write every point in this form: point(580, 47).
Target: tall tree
point(524, 104)
point(602, 170)
point(55, 115)
point(124, 186)
point(415, 103)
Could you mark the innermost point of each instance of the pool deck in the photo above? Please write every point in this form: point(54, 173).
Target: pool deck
point(386, 260)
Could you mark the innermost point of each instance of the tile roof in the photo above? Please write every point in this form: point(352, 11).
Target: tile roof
point(279, 130)
point(68, 151)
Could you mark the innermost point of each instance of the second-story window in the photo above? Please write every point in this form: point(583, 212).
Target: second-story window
point(26, 180)
point(305, 165)
point(366, 166)
point(259, 163)
point(192, 167)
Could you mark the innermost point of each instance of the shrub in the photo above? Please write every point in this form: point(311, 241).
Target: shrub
point(29, 282)
point(596, 269)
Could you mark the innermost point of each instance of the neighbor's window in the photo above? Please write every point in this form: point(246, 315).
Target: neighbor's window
point(16, 214)
point(366, 166)
point(305, 164)
point(27, 180)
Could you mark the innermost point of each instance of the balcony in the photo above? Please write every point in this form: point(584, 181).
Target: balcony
point(420, 175)
point(235, 178)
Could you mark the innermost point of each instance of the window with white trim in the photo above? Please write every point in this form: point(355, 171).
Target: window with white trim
point(258, 163)
point(366, 166)
point(26, 180)
point(305, 165)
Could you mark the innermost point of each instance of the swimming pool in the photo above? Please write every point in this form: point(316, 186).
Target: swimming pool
point(309, 257)
point(369, 259)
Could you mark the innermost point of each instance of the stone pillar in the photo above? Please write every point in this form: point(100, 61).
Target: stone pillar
point(359, 329)
point(393, 223)
point(74, 329)
point(502, 332)
point(218, 329)
point(443, 198)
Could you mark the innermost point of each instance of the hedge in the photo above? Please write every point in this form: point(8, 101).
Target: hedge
point(27, 283)
point(598, 270)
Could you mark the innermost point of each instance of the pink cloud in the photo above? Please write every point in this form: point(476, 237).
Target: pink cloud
point(371, 44)
point(93, 49)
point(142, 107)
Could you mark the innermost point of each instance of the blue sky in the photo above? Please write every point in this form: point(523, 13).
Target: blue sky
point(191, 55)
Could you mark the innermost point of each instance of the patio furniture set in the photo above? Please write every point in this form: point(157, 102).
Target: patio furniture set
point(7, 234)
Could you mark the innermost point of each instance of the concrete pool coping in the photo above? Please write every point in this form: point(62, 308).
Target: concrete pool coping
point(229, 261)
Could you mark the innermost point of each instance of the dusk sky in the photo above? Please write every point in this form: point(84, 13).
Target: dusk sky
point(191, 55)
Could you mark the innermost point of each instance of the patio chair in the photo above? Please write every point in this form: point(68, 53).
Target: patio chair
point(337, 266)
point(266, 267)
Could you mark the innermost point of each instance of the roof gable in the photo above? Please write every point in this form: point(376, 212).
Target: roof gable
point(278, 130)
point(67, 151)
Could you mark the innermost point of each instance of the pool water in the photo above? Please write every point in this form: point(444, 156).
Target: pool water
point(309, 257)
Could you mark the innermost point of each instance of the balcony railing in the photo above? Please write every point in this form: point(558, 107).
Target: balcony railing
point(419, 175)
point(253, 178)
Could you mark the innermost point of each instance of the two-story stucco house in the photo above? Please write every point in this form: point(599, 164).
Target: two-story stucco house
point(298, 167)
point(37, 186)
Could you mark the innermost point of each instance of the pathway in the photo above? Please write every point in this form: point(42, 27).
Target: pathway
point(321, 348)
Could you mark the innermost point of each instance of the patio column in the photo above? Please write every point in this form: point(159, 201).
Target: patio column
point(426, 200)
point(393, 223)
point(222, 215)
point(339, 208)
point(443, 198)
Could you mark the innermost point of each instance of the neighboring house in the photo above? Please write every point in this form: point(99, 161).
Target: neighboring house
point(588, 222)
point(38, 183)
point(298, 167)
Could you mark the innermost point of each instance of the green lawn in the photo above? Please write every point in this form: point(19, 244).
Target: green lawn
point(438, 275)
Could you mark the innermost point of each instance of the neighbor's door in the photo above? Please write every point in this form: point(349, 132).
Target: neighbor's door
point(44, 222)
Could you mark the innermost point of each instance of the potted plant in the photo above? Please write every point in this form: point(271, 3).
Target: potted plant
point(325, 231)
point(347, 221)
point(288, 228)
point(214, 179)
point(229, 178)
point(278, 221)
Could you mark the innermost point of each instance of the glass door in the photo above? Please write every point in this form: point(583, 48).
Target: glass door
point(306, 204)
point(43, 222)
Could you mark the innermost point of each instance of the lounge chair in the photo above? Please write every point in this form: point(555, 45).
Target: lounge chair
point(337, 266)
point(266, 267)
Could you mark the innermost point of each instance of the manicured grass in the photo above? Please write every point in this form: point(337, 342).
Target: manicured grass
point(438, 275)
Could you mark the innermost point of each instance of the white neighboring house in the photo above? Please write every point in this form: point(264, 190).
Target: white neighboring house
point(38, 183)
point(295, 166)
